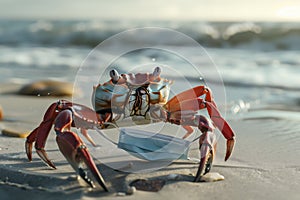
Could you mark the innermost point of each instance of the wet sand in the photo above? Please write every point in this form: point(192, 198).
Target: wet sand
point(265, 163)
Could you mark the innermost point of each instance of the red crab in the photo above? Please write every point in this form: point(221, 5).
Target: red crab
point(145, 94)
point(141, 94)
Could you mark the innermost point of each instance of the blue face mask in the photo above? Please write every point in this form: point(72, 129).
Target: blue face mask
point(152, 146)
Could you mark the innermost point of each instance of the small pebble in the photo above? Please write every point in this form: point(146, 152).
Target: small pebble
point(120, 194)
point(131, 190)
point(15, 133)
point(173, 176)
point(212, 177)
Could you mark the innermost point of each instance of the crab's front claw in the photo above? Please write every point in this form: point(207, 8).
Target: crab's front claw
point(29, 142)
point(43, 155)
point(229, 148)
point(40, 150)
point(84, 154)
point(205, 162)
point(79, 158)
point(28, 148)
point(223, 126)
point(207, 149)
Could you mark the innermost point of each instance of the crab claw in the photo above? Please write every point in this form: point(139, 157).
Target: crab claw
point(39, 135)
point(229, 148)
point(207, 152)
point(28, 148)
point(78, 156)
point(223, 126)
point(40, 150)
point(43, 155)
point(205, 162)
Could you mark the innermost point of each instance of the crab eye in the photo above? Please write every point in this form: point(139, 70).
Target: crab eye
point(114, 75)
point(156, 72)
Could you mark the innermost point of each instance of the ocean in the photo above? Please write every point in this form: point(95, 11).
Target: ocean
point(257, 63)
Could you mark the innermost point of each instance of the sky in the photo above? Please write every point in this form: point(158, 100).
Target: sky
point(216, 10)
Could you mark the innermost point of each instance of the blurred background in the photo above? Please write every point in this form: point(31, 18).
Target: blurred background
point(255, 44)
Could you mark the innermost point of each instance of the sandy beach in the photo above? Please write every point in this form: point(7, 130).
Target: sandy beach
point(247, 53)
point(265, 163)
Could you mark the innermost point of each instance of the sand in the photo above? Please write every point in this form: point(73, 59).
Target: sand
point(265, 163)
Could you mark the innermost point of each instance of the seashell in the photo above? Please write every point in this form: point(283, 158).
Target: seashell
point(47, 88)
point(174, 177)
point(120, 194)
point(131, 190)
point(212, 177)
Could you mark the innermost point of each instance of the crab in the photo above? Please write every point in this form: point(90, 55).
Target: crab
point(147, 94)
point(126, 95)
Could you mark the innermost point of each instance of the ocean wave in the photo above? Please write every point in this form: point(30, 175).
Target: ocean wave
point(262, 36)
point(42, 57)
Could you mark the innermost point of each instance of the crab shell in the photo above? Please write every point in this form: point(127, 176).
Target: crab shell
point(115, 93)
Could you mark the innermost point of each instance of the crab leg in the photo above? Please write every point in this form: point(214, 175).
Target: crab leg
point(207, 147)
point(223, 126)
point(29, 141)
point(39, 136)
point(175, 103)
point(74, 150)
point(194, 104)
